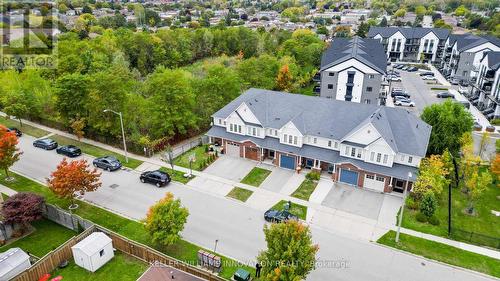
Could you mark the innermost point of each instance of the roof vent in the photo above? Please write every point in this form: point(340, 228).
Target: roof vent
point(250, 103)
point(276, 118)
point(256, 100)
point(417, 126)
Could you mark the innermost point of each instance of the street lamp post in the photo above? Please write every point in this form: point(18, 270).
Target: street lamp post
point(402, 207)
point(123, 132)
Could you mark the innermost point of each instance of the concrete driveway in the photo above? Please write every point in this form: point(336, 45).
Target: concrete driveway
point(277, 179)
point(232, 168)
point(354, 200)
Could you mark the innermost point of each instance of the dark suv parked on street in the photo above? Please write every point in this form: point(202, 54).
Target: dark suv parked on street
point(158, 178)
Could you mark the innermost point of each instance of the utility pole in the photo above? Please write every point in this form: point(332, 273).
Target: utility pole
point(403, 207)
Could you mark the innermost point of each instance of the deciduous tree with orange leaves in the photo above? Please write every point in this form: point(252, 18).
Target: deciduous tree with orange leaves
point(284, 80)
point(9, 153)
point(73, 177)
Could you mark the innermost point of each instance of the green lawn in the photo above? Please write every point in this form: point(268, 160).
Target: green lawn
point(239, 193)
point(443, 253)
point(176, 175)
point(483, 223)
point(96, 151)
point(126, 267)
point(26, 129)
point(47, 236)
point(200, 157)
point(305, 189)
point(182, 250)
point(296, 209)
point(256, 176)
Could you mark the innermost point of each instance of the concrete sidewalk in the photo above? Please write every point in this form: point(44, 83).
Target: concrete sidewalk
point(318, 215)
point(439, 77)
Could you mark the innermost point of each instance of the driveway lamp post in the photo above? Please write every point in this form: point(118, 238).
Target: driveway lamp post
point(402, 207)
point(123, 131)
point(215, 247)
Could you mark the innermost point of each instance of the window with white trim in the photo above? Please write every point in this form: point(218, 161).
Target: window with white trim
point(295, 140)
point(285, 137)
point(239, 129)
point(220, 121)
point(346, 150)
point(230, 127)
point(410, 159)
point(385, 158)
point(290, 138)
point(329, 143)
point(371, 177)
point(336, 145)
point(372, 156)
point(402, 158)
point(315, 140)
point(353, 151)
point(276, 132)
point(380, 178)
point(379, 157)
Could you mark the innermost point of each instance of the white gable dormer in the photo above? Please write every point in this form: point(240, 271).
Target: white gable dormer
point(364, 135)
point(234, 124)
point(290, 135)
point(380, 152)
point(247, 114)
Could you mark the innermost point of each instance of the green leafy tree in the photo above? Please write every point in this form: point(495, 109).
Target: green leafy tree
point(400, 13)
point(165, 220)
point(449, 121)
point(71, 92)
point(420, 10)
point(172, 101)
point(461, 11)
point(290, 251)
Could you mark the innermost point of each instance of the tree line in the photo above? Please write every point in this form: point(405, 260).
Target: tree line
point(168, 83)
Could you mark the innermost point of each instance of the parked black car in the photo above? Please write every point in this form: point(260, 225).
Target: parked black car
point(157, 178)
point(427, 74)
point(108, 163)
point(69, 150)
point(317, 89)
point(47, 144)
point(15, 131)
point(412, 69)
point(400, 94)
point(444, 95)
point(278, 216)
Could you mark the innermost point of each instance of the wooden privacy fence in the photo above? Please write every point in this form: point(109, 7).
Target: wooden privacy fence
point(50, 261)
point(152, 256)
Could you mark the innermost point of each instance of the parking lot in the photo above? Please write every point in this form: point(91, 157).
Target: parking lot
point(419, 90)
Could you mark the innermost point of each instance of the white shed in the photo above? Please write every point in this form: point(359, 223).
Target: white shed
point(93, 252)
point(12, 262)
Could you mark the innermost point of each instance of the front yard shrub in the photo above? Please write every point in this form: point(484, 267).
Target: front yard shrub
point(434, 220)
point(428, 205)
point(421, 217)
point(314, 176)
point(411, 203)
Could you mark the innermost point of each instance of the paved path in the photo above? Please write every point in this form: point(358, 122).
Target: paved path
point(478, 116)
point(238, 225)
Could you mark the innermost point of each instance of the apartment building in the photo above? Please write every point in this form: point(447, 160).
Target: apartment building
point(352, 70)
point(462, 55)
point(414, 44)
point(487, 85)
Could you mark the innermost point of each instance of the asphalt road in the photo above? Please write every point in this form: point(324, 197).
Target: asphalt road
point(239, 228)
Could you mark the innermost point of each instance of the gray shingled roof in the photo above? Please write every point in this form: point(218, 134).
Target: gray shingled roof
point(493, 60)
point(334, 119)
point(313, 152)
point(368, 51)
point(467, 41)
point(408, 32)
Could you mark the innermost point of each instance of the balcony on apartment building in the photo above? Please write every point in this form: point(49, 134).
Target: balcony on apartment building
point(489, 75)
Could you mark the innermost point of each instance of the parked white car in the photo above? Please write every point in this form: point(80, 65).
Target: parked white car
point(428, 77)
point(463, 90)
point(404, 102)
point(393, 78)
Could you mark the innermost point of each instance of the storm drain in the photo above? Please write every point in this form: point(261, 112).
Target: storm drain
point(113, 186)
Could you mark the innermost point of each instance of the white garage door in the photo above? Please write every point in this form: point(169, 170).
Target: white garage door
point(233, 149)
point(374, 182)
